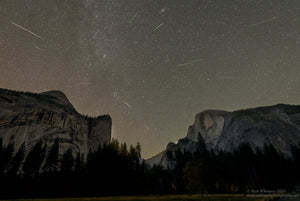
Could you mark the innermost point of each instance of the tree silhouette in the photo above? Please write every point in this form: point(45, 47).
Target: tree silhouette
point(17, 161)
point(123, 149)
point(67, 162)
point(193, 173)
point(6, 154)
point(51, 163)
point(34, 160)
point(79, 164)
point(2, 165)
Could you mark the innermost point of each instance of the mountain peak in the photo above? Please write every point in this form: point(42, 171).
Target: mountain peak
point(278, 125)
point(55, 93)
point(58, 97)
point(29, 118)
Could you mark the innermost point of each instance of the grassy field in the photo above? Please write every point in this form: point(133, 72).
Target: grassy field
point(161, 198)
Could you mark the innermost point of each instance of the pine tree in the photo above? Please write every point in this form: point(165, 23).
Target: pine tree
point(17, 160)
point(123, 149)
point(114, 145)
point(67, 162)
point(7, 153)
point(51, 163)
point(296, 160)
point(34, 160)
point(1, 157)
point(132, 152)
point(169, 155)
point(79, 165)
point(138, 149)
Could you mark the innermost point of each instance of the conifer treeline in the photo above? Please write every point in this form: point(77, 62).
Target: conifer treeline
point(206, 171)
point(113, 169)
point(116, 169)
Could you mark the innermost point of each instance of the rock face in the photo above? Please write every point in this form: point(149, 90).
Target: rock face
point(278, 125)
point(29, 118)
point(210, 124)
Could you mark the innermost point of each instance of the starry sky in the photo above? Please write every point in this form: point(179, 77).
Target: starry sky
point(153, 64)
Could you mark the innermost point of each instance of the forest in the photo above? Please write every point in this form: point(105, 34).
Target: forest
point(118, 169)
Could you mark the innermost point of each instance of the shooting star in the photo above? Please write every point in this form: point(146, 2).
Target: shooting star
point(197, 49)
point(158, 26)
point(27, 30)
point(85, 83)
point(127, 104)
point(131, 20)
point(264, 21)
point(184, 64)
point(131, 123)
point(196, 60)
point(163, 10)
point(39, 48)
point(146, 126)
point(235, 78)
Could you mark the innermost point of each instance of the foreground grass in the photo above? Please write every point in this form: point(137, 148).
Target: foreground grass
point(161, 198)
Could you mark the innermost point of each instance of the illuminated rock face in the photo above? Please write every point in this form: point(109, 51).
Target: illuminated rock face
point(29, 118)
point(210, 125)
point(278, 125)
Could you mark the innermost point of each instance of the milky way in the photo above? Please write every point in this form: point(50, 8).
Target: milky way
point(152, 65)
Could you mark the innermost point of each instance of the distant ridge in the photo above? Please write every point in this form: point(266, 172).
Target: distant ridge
point(278, 125)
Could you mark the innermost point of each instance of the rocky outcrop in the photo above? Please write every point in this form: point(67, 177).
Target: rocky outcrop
point(29, 118)
point(278, 125)
point(210, 124)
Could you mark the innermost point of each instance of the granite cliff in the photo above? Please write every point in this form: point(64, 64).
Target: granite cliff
point(29, 118)
point(278, 125)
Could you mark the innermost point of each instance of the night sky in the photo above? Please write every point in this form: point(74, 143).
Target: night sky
point(152, 65)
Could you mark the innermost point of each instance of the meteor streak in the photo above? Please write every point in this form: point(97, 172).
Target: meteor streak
point(196, 60)
point(185, 64)
point(85, 83)
point(265, 21)
point(127, 104)
point(131, 20)
point(158, 26)
point(39, 48)
point(230, 77)
point(146, 126)
point(27, 30)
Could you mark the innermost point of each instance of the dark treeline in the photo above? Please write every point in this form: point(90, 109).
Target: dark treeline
point(239, 171)
point(116, 169)
point(113, 169)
